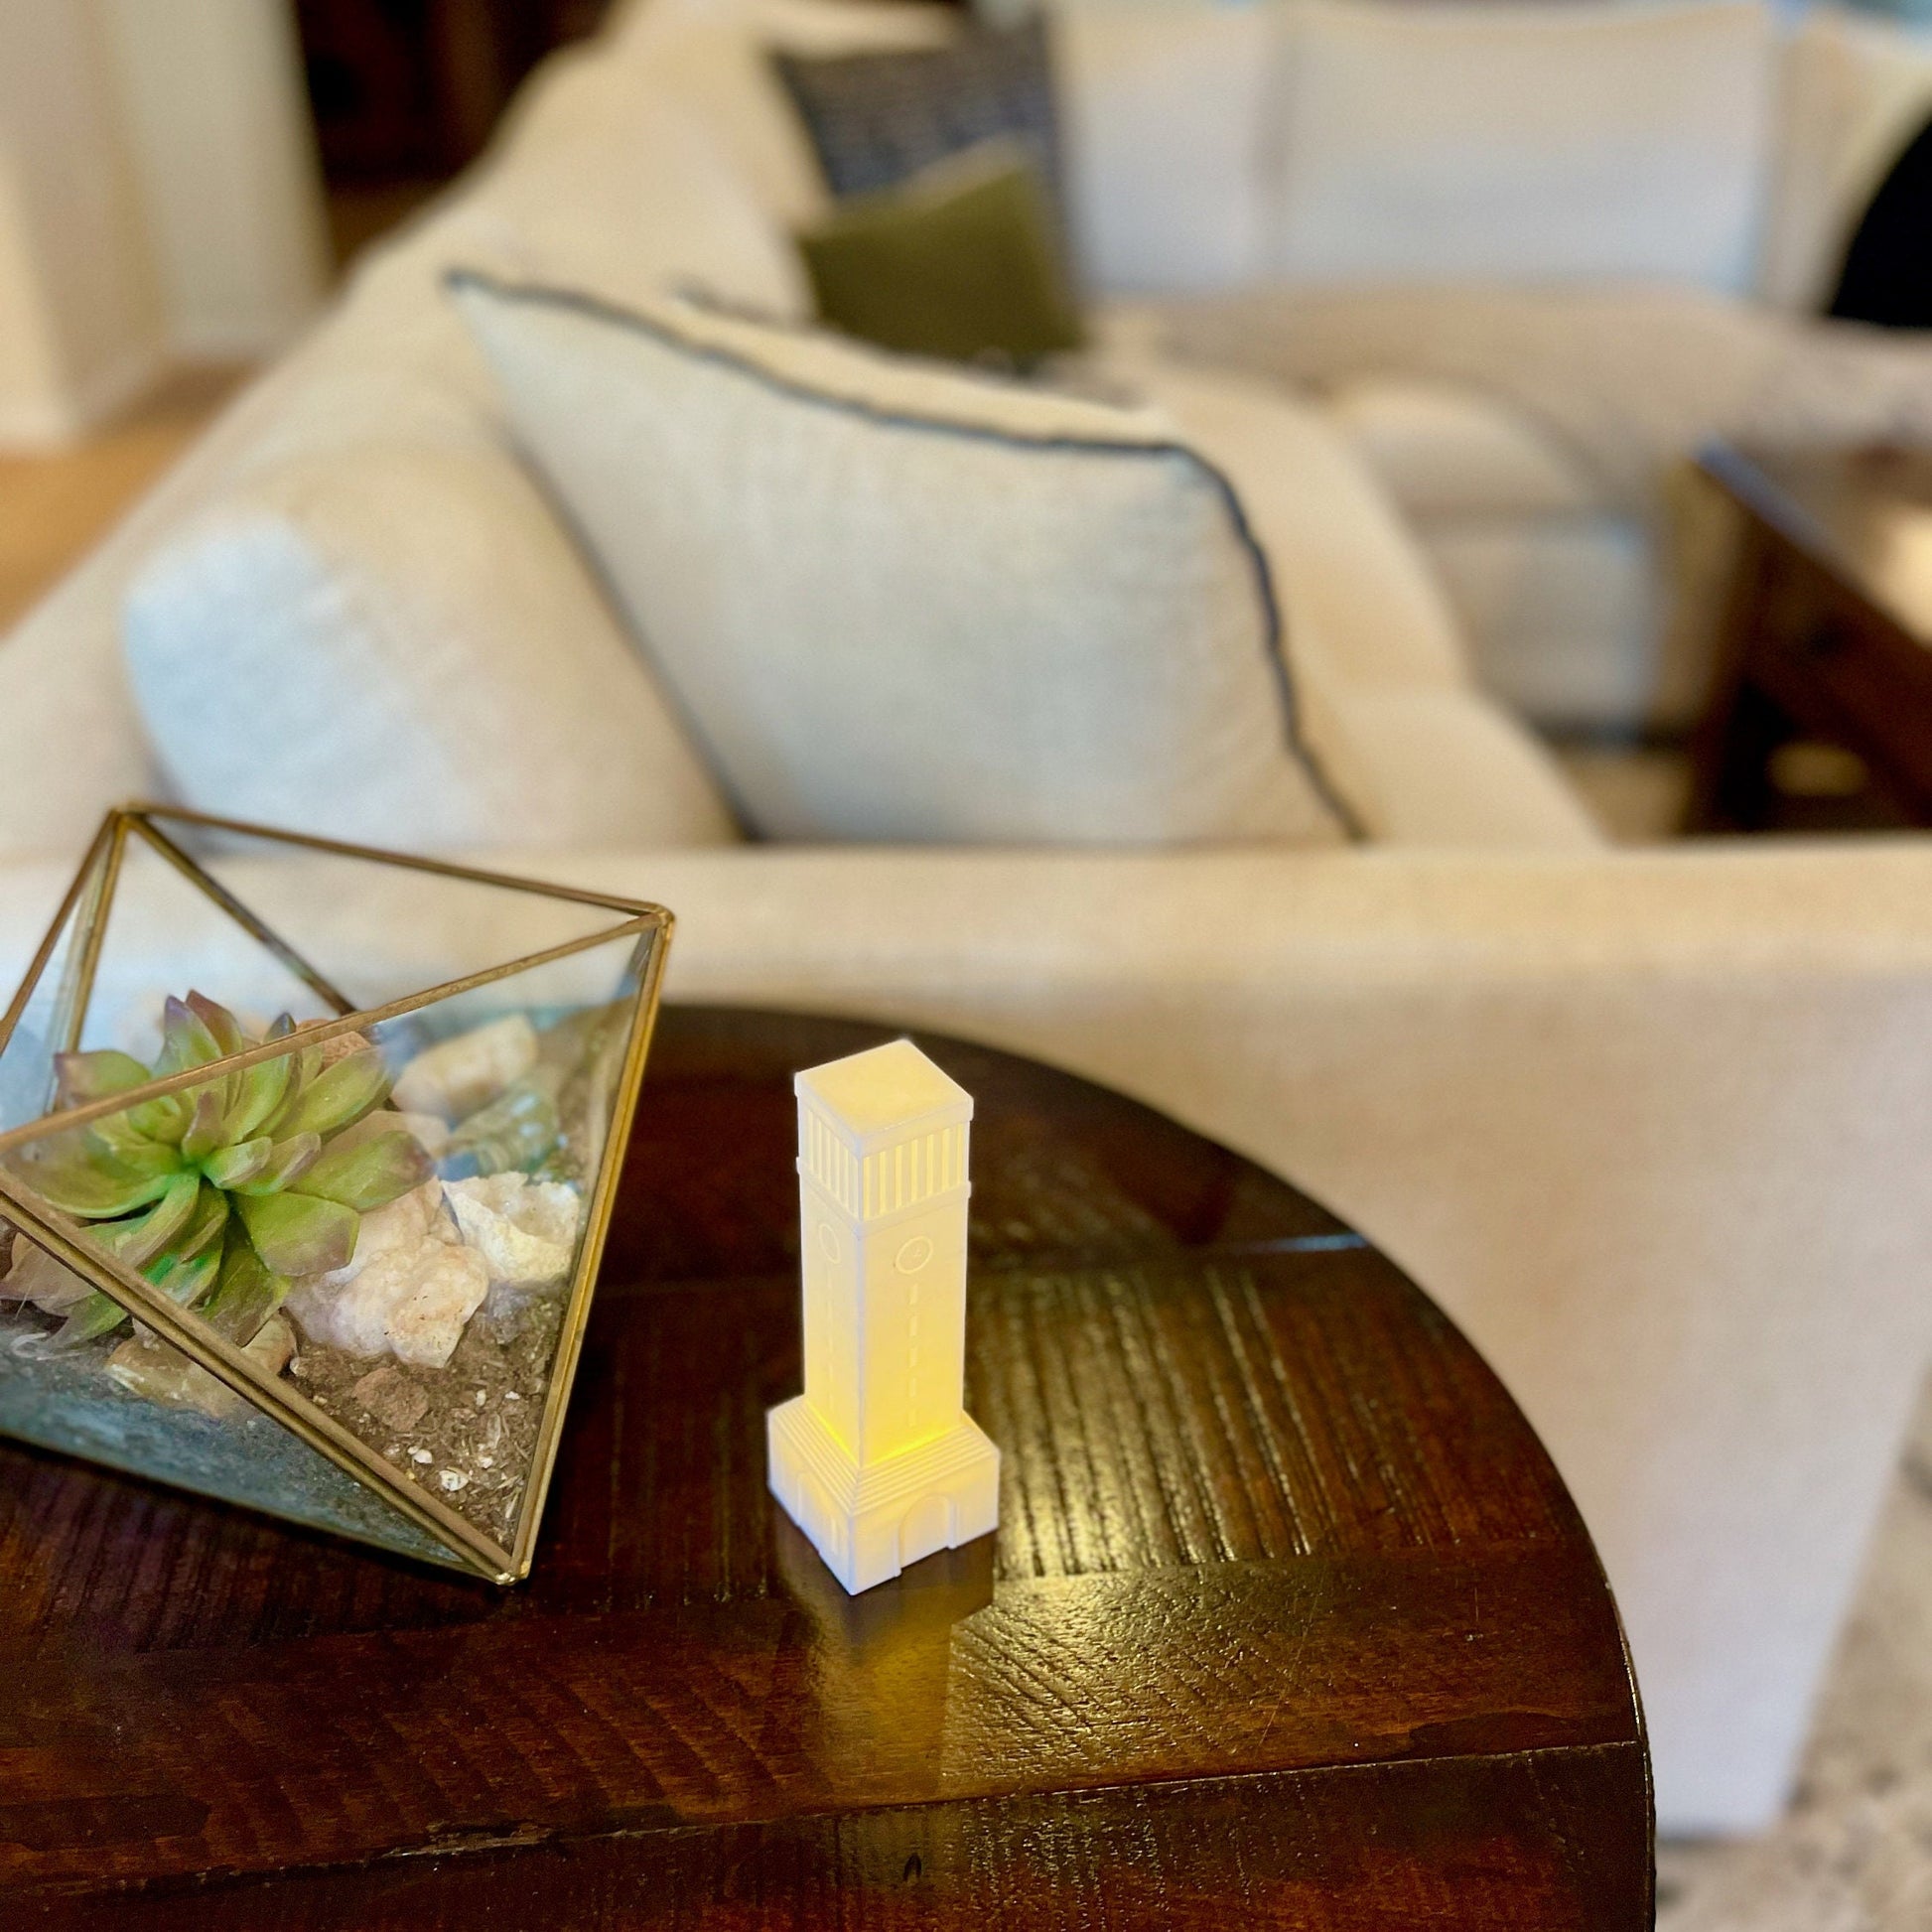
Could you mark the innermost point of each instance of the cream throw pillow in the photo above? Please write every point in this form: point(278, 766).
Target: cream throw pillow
point(396, 644)
point(900, 602)
point(1525, 143)
point(1166, 138)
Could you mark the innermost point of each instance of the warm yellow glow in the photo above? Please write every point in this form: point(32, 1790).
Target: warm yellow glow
point(876, 1462)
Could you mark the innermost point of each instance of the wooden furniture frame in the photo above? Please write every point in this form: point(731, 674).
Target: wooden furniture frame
point(1289, 1621)
point(1825, 641)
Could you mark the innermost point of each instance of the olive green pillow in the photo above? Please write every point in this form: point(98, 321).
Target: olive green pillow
point(963, 261)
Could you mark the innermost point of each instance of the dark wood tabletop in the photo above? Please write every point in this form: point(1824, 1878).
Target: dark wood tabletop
point(1289, 1621)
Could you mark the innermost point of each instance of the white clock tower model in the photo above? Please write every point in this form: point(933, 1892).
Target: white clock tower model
point(878, 1461)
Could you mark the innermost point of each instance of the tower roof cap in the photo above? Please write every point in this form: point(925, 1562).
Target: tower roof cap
point(883, 1093)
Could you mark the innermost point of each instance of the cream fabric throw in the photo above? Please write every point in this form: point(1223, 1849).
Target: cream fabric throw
point(1632, 379)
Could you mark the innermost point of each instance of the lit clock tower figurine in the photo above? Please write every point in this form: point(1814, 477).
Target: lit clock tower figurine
point(878, 1461)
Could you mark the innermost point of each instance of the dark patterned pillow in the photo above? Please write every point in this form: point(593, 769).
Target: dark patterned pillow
point(878, 119)
point(1888, 274)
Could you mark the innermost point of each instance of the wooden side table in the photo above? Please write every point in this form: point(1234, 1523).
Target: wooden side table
point(1821, 714)
point(1289, 1621)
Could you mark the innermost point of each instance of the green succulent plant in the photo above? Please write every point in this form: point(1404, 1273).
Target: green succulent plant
point(221, 1193)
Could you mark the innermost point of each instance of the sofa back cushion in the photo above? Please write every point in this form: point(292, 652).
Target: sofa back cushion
point(1524, 143)
point(1167, 118)
point(906, 602)
point(1164, 115)
point(1855, 92)
point(396, 644)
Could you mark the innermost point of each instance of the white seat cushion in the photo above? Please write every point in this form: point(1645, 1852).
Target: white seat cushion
point(1560, 613)
point(1442, 449)
point(902, 601)
point(1524, 143)
point(1355, 585)
point(1450, 769)
point(396, 644)
point(1425, 758)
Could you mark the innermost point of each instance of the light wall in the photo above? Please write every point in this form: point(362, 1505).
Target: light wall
point(81, 325)
point(225, 153)
point(160, 199)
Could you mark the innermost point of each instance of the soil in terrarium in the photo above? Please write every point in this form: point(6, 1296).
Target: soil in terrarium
point(467, 1432)
point(410, 1270)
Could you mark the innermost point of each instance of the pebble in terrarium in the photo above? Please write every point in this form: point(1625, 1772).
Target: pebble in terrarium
point(457, 1298)
point(401, 1249)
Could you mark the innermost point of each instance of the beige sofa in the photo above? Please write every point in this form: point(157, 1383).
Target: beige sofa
point(1647, 1123)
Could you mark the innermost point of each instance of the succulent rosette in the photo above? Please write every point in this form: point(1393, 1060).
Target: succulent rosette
point(222, 1193)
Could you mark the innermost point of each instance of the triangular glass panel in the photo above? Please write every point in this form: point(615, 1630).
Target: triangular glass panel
point(44, 1014)
point(376, 931)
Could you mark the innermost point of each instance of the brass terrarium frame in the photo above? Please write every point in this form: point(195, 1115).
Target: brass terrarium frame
point(89, 900)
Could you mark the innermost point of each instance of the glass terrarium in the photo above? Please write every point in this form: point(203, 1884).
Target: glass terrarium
point(307, 1154)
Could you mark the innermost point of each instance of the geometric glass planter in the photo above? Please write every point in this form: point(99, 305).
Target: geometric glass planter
point(307, 1156)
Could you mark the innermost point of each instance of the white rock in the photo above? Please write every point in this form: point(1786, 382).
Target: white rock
point(400, 1225)
point(409, 1290)
point(456, 1078)
point(327, 1315)
point(441, 1221)
point(525, 1230)
point(445, 1288)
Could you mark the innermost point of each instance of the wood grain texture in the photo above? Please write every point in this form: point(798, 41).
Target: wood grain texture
point(1289, 1616)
